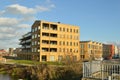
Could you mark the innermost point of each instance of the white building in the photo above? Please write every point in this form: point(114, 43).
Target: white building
point(116, 55)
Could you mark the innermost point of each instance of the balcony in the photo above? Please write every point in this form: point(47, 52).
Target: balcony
point(53, 27)
point(53, 49)
point(23, 47)
point(28, 46)
point(53, 43)
point(45, 34)
point(45, 42)
point(28, 40)
point(53, 35)
point(27, 35)
point(45, 49)
point(22, 42)
point(45, 26)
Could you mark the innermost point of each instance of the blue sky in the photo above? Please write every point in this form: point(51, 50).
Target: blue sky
point(99, 20)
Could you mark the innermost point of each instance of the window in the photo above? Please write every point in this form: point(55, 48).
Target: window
point(53, 42)
point(36, 29)
point(32, 49)
point(82, 51)
point(60, 42)
point(32, 29)
point(52, 58)
point(35, 49)
point(67, 43)
point(88, 45)
point(53, 27)
point(77, 31)
point(35, 35)
point(44, 58)
point(45, 34)
point(70, 30)
point(32, 43)
point(63, 43)
point(60, 58)
point(53, 35)
point(32, 36)
point(82, 56)
point(82, 45)
point(53, 49)
point(67, 30)
point(45, 26)
point(74, 30)
point(63, 29)
point(74, 44)
point(35, 42)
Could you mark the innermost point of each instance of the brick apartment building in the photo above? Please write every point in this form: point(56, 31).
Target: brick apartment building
point(50, 41)
point(108, 51)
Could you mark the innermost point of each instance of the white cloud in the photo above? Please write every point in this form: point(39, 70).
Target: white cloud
point(41, 8)
point(4, 21)
point(6, 30)
point(24, 26)
point(16, 9)
point(6, 36)
point(19, 9)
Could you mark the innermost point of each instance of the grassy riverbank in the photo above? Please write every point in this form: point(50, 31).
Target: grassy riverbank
point(42, 71)
point(29, 62)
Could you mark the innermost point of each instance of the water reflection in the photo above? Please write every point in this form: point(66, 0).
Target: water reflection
point(5, 77)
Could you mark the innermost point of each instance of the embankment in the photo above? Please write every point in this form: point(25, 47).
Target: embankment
point(43, 72)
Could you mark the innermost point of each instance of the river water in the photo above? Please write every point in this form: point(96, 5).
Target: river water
point(5, 77)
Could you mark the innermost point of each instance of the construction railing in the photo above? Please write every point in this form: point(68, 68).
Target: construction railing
point(101, 70)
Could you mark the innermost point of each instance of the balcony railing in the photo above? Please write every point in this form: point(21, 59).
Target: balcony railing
point(27, 35)
point(28, 40)
point(28, 46)
point(22, 42)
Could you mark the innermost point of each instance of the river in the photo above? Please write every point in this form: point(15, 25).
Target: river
point(5, 77)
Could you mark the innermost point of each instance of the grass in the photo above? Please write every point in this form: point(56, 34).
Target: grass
point(29, 62)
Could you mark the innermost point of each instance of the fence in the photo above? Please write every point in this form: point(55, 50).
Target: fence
point(101, 70)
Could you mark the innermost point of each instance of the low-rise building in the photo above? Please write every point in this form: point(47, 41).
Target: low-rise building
point(90, 50)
